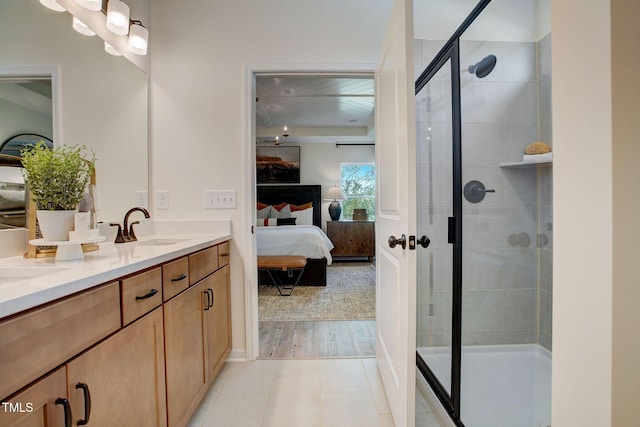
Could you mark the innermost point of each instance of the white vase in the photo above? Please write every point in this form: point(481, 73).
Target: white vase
point(55, 225)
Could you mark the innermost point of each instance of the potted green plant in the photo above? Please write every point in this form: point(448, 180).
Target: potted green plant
point(57, 180)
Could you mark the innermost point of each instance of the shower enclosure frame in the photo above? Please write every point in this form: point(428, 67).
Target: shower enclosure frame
point(451, 51)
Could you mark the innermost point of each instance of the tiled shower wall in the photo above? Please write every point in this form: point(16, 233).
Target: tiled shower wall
point(506, 277)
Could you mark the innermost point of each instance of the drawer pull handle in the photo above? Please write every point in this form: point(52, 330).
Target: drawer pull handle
point(151, 293)
point(179, 278)
point(67, 410)
point(87, 403)
point(224, 254)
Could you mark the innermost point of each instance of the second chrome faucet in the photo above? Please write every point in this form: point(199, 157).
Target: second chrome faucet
point(125, 232)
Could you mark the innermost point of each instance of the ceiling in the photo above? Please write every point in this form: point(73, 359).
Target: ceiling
point(315, 108)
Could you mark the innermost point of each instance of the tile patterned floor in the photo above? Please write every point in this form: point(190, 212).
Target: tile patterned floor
point(294, 393)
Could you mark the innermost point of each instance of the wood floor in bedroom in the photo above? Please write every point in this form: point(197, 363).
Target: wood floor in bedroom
point(317, 339)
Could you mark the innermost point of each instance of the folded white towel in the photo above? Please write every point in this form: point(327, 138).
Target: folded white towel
point(537, 158)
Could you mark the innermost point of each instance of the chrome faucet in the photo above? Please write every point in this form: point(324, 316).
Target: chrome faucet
point(126, 234)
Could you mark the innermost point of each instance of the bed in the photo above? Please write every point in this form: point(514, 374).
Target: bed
point(300, 239)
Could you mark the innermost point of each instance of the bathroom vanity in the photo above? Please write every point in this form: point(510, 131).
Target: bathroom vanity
point(133, 335)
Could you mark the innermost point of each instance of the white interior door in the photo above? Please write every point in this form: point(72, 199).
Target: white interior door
point(396, 216)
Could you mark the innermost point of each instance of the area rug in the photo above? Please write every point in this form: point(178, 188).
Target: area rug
point(350, 294)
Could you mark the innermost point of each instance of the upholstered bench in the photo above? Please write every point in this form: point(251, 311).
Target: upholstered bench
point(272, 264)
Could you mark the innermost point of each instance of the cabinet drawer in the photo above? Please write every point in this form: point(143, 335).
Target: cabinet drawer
point(203, 263)
point(140, 294)
point(175, 278)
point(223, 254)
point(37, 341)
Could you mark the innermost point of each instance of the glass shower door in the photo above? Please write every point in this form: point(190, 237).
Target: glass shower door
point(435, 195)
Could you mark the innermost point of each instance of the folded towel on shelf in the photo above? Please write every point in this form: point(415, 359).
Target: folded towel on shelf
point(537, 158)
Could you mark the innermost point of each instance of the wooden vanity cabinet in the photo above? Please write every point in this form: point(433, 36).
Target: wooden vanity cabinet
point(37, 341)
point(139, 351)
point(185, 354)
point(40, 405)
point(121, 379)
point(217, 321)
point(197, 329)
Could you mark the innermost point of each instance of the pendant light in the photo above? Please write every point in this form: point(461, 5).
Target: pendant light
point(118, 17)
point(53, 5)
point(94, 5)
point(138, 38)
point(111, 50)
point(82, 28)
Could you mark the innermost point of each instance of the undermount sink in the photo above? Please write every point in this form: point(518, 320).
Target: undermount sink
point(18, 274)
point(160, 241)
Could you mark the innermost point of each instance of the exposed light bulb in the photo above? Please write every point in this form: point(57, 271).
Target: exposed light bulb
point(53, 5)
point(118, 17)
point(138, 39)
point(111, 50)
point(82, 28)
point(94, 5)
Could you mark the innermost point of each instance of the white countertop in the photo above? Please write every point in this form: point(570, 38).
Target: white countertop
point(19, 291)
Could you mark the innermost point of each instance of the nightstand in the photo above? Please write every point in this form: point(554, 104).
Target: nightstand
point(352, 238)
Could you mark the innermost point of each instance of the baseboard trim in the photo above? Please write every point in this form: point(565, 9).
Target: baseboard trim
point(237, 355)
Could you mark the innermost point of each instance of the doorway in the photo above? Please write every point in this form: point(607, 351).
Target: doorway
point(326, 120)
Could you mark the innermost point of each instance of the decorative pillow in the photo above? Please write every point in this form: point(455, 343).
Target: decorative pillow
point(270, 222)
point(285, 221)
point(301, 207)
point(264, 212)
point(262, 205)
point(280, 206)
point(303, 217)
point(285, 212)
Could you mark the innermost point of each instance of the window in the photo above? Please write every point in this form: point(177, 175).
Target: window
point(358, 182)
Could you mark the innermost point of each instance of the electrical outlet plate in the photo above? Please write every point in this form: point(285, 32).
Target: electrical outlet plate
point(220, 199)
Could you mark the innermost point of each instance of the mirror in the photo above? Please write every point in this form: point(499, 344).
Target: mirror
point(97, 100)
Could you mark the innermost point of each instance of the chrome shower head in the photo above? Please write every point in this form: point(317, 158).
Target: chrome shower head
point(484, 67)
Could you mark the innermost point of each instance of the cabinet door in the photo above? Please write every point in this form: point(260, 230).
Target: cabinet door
point(185, 355)
point(218, 322)
point(124, 376)
point(36, 406)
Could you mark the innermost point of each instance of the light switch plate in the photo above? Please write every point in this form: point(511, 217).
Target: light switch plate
point(220, 199)
point(162, 201)
point(142, 199)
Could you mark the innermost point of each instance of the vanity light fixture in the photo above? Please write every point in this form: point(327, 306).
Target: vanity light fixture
point(53, 5)
point(111, 50)
point(138, 38)
point(94, 5)
point(82, 28)
point(118, 17)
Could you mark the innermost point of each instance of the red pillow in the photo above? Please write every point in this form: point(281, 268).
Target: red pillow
point(261, 206)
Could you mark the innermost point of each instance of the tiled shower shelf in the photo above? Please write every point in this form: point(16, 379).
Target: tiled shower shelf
point(524, 164)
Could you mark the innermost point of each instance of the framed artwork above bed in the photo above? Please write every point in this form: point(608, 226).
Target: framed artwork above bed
point(278, 165)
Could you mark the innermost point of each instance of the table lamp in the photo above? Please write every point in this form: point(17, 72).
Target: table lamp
point(334, 194)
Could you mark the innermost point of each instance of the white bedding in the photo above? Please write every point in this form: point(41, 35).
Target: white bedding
point(306, 240)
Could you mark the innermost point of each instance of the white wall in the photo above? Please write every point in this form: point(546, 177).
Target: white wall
point(198, 127)
point(596, 295)
point(320, 164)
